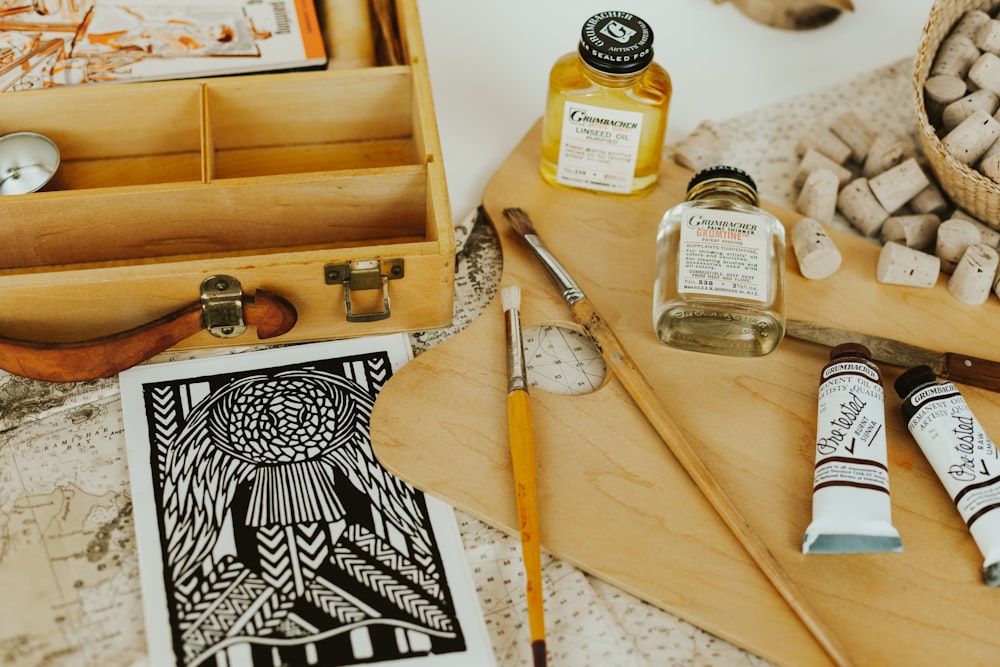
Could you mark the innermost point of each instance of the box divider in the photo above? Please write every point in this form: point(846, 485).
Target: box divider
point(207, 138)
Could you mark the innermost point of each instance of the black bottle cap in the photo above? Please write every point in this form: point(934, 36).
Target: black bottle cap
point(850, 350)
point(917, 376)
point(616, 43)
point(721, 173)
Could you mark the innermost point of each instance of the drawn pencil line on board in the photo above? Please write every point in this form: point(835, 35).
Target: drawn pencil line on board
point(284, 540)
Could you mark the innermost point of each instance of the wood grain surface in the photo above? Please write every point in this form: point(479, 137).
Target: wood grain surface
point(612, 499)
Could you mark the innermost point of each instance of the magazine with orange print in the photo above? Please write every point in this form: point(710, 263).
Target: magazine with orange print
point(53, 43)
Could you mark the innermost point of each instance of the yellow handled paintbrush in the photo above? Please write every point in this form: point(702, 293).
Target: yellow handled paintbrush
point(625, 369)
point(522, 452)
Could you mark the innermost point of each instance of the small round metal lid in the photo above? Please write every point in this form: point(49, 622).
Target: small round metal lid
point(616, 43)
point(721, 173)
point(28, 161)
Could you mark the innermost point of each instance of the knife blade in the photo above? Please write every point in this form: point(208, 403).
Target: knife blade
point(953, 366)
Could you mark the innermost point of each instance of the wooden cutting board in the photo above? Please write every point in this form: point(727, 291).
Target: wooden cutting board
point(613, 500)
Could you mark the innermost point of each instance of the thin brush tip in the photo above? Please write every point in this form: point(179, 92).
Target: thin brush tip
point(510, 297)
point(519, 220)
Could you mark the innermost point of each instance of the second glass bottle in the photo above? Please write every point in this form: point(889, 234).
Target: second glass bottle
point(720, 269)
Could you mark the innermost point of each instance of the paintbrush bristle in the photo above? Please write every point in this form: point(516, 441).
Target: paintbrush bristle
point(519, 220)
point(510, 297)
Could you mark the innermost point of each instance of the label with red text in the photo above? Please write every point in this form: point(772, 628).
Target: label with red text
point(724, 253)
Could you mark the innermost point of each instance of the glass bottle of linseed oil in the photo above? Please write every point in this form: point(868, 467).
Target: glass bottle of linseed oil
point(606, 114)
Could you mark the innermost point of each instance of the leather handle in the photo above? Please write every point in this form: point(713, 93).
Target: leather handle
point(269, 313)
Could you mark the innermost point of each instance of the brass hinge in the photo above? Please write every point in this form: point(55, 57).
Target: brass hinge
point(365, 274)
point(222, 306)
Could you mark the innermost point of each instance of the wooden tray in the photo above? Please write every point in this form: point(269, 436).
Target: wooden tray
point(268, 178)
point(613, 500)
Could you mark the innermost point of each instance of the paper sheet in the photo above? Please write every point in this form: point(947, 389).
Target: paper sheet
point(267, 531)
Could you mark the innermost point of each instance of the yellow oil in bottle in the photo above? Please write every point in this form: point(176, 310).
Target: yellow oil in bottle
point(606, 111)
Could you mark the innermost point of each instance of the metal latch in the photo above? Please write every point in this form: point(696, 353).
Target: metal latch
point(365, 274)
point(222, 306)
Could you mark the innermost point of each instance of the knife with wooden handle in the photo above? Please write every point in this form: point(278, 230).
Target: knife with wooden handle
point(952, 366)
point(270, 314)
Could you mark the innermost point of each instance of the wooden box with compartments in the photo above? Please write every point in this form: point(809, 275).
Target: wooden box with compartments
point(324, 188)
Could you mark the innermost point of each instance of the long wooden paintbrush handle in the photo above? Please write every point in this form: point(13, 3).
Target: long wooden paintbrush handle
point(642, 393)
point(522, 450)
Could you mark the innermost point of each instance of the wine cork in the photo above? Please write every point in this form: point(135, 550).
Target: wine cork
point(817, 254)
point(954, 236)
point(963, 215)
point(970, 140)
point(818, 197)
point(988, 235)
point(994, 148)
point(861, 208)
point(899, 265)
point(854, 132)
point(968, 25)
point(959, 110)
point(929, 200)
point(822, 139)
point(989, 166)
point(972, 279)
point(884, 153)
point(918, 230)
point(985, 72)
point(987, 37)
point(996, 282)
point(702, 147)
point(940, 91)
point(812, 159)
point(898, 185)
point(955, 56)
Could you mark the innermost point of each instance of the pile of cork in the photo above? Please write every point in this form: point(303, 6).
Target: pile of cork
point(885, 192)
point(962, 92)
point(888, 195)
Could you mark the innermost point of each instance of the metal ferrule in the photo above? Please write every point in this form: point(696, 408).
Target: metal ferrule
point(571, 292)
point(516, 373)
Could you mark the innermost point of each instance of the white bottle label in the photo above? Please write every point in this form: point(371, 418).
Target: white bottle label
point(724, 253)
point(599, 148)
point(961, 453)
point(850, 432)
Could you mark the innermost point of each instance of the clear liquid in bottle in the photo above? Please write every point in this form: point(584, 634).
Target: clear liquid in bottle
point(720, 276)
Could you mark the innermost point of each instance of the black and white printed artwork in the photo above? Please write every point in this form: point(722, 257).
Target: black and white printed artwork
point(272, 534)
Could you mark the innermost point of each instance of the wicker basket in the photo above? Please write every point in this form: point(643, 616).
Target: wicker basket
point(967, 188)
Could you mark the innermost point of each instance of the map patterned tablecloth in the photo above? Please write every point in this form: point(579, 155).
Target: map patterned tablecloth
point(68, 564)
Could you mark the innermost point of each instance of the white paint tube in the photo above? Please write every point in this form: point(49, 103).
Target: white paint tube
point(852, 512)
point(961, 453)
